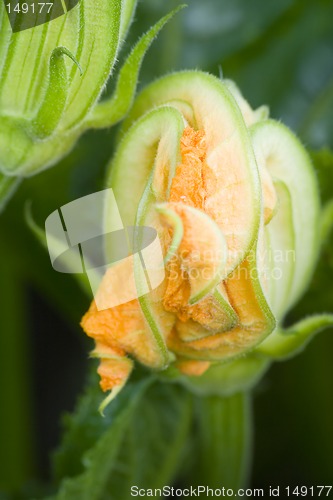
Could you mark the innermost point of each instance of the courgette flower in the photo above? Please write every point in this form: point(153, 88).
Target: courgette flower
point(52, 78)
point(234, 199)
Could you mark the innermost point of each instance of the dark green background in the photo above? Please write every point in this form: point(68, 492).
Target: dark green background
point(280, 54)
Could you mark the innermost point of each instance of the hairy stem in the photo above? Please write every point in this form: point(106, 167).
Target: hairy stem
point(225, 436)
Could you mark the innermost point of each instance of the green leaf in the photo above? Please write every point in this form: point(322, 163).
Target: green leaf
point(100, 460)
point(224, 440)
point(84, 427)
point(284, 344)
point(112, 110)
point(141, 428)
point(154, 445)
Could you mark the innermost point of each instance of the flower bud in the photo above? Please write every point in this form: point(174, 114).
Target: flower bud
point(52, 76)
point(233, 197)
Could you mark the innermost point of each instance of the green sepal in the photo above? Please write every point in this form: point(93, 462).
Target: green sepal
point(135, 158)
point(280, 241)
point(96, 45)
point(223, 379)
point(53, 105)
point(112, 110)
point(284, 344)
point(127, 14)
point(280, 151)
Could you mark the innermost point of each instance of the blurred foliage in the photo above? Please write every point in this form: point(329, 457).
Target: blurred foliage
point(146, 435)
point(280, 54)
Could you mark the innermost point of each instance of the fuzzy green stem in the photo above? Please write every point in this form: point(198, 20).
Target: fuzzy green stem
point(225, 438)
